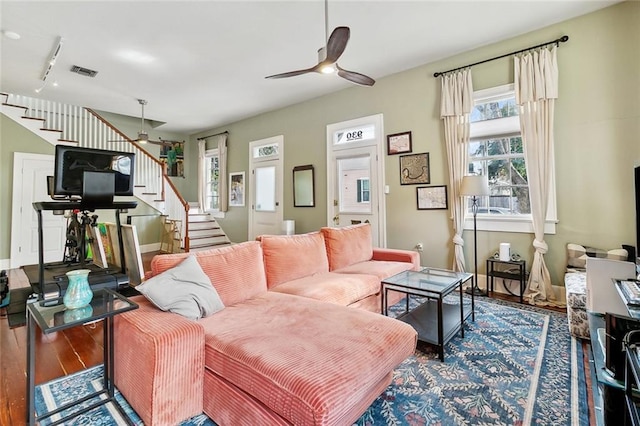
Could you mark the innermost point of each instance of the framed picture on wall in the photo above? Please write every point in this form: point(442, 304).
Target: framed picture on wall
point(399, 143)
point(414, 169)
point(236, 189)
point(432, 197)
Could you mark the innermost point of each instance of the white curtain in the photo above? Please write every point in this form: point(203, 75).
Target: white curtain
point(455, 106)
point(222, 179)
point(536, 86)
point(202, 187)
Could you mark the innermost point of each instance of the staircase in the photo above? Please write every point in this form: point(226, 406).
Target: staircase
point(205, 232)
point(72, 125)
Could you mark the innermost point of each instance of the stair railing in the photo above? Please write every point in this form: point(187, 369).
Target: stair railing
point(68, 118)
point(150, 172)
point(91, 130)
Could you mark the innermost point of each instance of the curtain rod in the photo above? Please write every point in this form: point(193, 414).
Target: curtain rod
point(210, 136)
point(562, 39)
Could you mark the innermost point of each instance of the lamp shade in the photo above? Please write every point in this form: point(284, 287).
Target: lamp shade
point(474, 185)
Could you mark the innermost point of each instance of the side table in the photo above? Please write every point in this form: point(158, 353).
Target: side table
point(435, 321)
point(514, 270)
point(105, 305)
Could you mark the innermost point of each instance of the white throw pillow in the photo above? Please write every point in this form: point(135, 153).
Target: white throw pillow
point(184, 289)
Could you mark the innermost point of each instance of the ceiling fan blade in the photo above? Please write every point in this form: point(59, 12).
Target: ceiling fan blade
point(295, 73)
point(355, 77)
point(337, 43)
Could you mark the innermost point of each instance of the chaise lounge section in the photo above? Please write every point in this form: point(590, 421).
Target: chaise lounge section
point(269, 357)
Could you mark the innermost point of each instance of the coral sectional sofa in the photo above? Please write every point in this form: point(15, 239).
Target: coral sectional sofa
point(287, 348)
point(337, 265)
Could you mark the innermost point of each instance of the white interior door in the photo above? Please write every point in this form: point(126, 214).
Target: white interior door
point(355, 179)
point(30, 173)
point(265, 187)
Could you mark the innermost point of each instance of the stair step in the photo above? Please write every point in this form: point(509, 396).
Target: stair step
point(205, 236)
point(15, 106)
point(208, 246)
point(27, 117)
point(199, 236)
point(209, 224)
point(68, 141)
point(199, 217)
point(198, 227)
point(198, 242)
point(51, 130)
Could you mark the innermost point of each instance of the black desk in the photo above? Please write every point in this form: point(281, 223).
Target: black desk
point(104, 305)
point(41, 206)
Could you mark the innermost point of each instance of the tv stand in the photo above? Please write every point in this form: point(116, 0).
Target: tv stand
point(608, 393)
point(41, 206)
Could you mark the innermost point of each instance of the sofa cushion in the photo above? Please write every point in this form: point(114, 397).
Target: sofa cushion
point(282, 350)
point(575, 284)
point(236, 272)
point(342, 289)
point(379, 268)
point(184, 289)
point(348, 245)
point(577, 255)
point(289, 257)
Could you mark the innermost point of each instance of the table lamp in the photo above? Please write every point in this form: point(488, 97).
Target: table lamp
point(474, 186)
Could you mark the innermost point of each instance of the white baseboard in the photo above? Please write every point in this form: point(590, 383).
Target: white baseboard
point(5, 264)
point(498, 287)
point(150, 247)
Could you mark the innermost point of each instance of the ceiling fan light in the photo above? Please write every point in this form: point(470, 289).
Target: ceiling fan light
point(328, 69)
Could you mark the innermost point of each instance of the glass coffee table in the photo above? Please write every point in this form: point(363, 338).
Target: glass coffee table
point(436, 320)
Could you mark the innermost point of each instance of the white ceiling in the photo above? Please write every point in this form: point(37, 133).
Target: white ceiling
point(201, 64)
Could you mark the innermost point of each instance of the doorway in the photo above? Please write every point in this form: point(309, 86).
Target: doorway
point(30, 173)
point(355, 175)
point(265, 186)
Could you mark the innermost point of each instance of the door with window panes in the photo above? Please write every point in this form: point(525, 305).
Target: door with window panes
point(265, 187)
point(355, 176)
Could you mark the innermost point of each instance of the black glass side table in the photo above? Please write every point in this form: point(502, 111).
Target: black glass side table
point(51, 316)
point(508, 269)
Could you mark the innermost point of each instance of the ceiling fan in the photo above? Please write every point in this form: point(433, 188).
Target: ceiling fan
point(143, 136)
point(329, 54)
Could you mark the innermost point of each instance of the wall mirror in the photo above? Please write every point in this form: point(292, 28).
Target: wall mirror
point(303, 186)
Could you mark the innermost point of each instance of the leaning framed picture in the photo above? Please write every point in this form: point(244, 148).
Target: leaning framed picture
point(432, 197)
point(414, 169)
point(399, 143)
point(236, 189)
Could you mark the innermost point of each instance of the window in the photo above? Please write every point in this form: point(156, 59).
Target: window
point(496, 150)
point(212, 176)
point(363, 191)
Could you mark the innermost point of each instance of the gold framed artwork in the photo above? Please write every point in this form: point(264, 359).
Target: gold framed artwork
point(414, 169)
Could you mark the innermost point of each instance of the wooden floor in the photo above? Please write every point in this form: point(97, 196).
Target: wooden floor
point(57, 354)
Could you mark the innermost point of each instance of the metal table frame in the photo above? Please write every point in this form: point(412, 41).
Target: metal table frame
point(431, 295)
point(35, 318)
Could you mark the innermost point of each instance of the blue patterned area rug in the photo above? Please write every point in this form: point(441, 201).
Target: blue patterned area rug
point(516, 365)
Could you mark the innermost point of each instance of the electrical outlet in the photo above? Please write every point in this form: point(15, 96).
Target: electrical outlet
point(419, 247)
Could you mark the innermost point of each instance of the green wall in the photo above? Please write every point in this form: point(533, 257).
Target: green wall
point(596, 136)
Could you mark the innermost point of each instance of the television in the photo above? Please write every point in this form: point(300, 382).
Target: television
point(637, 174)
point(94, 175)
point(617, 327)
